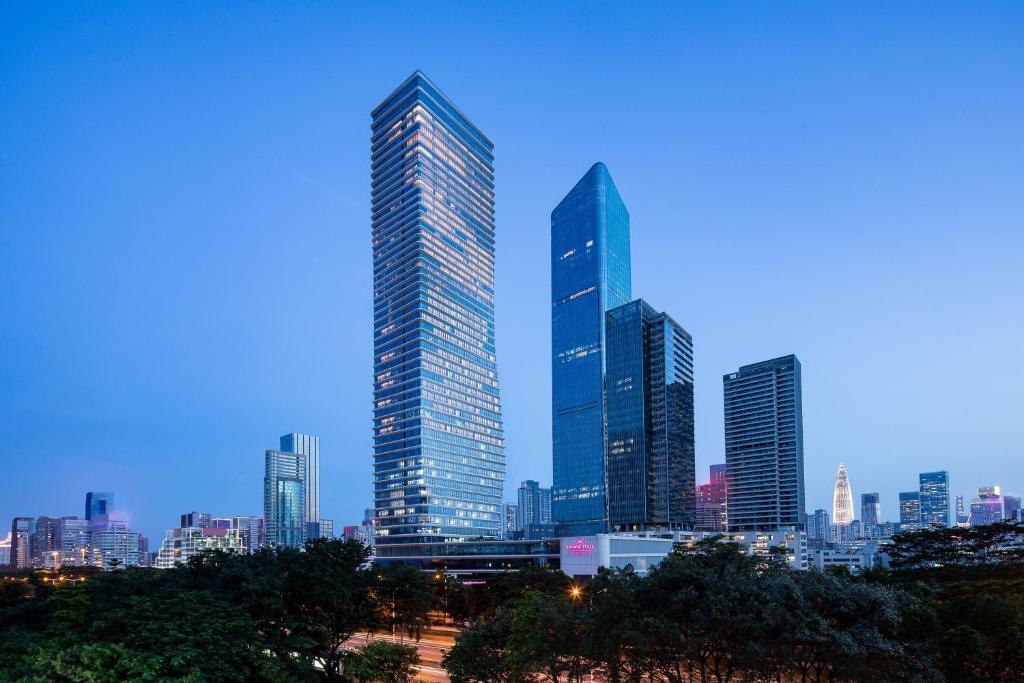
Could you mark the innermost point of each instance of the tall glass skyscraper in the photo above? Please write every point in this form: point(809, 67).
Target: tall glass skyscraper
point(308, 446)
point(910, 510)
point(764, 445)
point(590, 274)
point(98, 503)
point(870, 509)
point(284, 499)
point(934, 488)
point(842, 498)
point(439, 460)
point(649, 384)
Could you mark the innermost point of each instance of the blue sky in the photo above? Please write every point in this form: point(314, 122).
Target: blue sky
point(185, 249)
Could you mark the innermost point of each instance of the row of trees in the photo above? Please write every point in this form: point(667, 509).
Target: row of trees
point(274, 616)
point(709, 613)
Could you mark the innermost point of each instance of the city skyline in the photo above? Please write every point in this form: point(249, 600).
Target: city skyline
point(122, 360)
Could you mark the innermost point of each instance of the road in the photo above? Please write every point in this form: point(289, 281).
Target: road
point(431, 648)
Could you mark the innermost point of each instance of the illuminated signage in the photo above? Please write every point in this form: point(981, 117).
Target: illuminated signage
point(580, 547)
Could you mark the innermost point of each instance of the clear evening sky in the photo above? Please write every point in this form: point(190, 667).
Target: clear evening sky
point(185, 246)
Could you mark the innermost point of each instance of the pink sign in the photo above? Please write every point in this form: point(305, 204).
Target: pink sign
point(580, 547)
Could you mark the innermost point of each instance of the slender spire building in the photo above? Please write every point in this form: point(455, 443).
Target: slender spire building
point(590, 275)
point(842, 498)
point(438, 446)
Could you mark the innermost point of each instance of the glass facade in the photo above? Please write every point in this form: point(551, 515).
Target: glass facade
point(650, 454)
point(764, 445)
point(284, 499)
point(842, 498)
point(910, 510)
point(870, 509)
point(590, 274)
point(98, 503)
point(308, 446)
point(439, 461)
point(934, 489)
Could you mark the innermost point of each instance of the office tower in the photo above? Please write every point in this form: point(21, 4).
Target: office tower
point(987, 508)
point(842, 498)
point(764, 445)
point(590, 275)
point(308, 446)
point(5, 551)
point(711, 514)
point(284, 499)
point(910, 510)
point(112, 544)
point(21, 542)
point(818, 532)
point(649, 404)
point(439, 459)
point(510, 520)
point(98, 503)
point(250, 530)
point(195, 519)
point(1011, 508)
point(534, 505)
point(44, 541)
point(962, 516)
point(934, 489)
point(870, 509)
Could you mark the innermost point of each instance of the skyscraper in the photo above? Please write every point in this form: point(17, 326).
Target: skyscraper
point(98, 503)
point(308, 446)
point(439, 459)
point(910, 510)
point(284, 499)
point(764, 445)
point(1011, 508)
point(870, 509)
point(649, 404)
point(21, 542)
point(934, 488)
point(533, 505)
point(711, 502)
point(590, 274)
point(987, 508)
point(842, 498)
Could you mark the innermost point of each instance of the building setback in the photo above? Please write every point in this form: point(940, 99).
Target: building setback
point(764, 445)
point(590, 274)
point(439, 460)
point(650, 453)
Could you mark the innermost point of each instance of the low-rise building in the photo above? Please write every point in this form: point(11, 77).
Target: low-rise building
point(179, 545)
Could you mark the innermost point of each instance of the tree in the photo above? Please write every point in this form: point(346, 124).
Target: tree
point(481, 655)
point(381, 661)
point(403, 596)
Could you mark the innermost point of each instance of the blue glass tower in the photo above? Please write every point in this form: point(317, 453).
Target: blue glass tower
point(284, 498)
point(439, 461)
point(934, 489)
point(590, 274)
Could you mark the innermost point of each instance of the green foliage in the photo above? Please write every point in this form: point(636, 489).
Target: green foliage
point(381, 661)
point(1000, 543)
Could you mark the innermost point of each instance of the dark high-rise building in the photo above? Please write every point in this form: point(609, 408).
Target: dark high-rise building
point(649, 384)
point(934, 489)
point(439, 458)
point(44, 540)
point(818, 531)
point(870, 509)
point(199, 520)
point(1011, 508)
point(98, 503)
point(962, 516)
point(284, 499)
point(764, 445)
point(590, 274)
point(21, 542)
point(910, 510)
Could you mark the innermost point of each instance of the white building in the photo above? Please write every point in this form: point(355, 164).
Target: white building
point(181, 544)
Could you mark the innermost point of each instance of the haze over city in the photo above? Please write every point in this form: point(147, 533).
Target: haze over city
point(185, 234)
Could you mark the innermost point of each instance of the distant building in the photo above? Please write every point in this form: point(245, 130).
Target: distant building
point(870, 509)
point(534, 506)
point(711, 513)
point(98, 503)
point(44, 541)
point(510, 520)
point(179, 545)
point(649, 404)
point(963, 516)
point(284, 496)
point(308, 446)
point(1011, 508)
point(326, 528)
point(199, 520)
point(910, 511)
point(934, 489)
point(818, 529)
point(5, 551)
point(764, 445)
point(842, 498)
point(112, 545)
point(22, 529)
point(987, 508)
